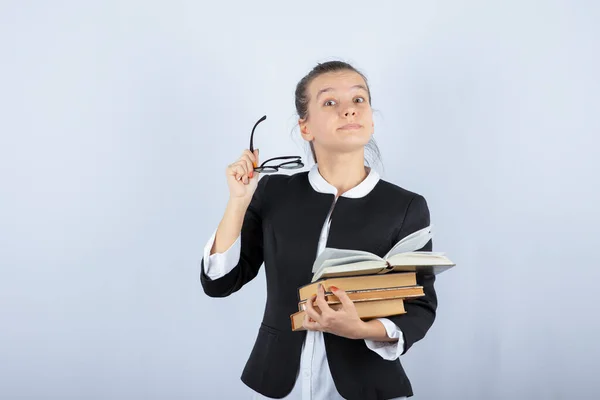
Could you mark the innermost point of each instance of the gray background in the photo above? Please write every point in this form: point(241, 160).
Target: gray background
point(118, 119)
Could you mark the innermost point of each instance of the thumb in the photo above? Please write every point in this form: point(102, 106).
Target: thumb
point(256, 155)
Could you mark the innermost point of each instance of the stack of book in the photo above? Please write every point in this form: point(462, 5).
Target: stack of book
point(378, 286)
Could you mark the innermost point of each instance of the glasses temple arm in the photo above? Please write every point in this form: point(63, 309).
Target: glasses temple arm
point(252, 134)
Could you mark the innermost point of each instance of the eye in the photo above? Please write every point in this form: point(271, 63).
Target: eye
point(328, 101)
point(362, 99)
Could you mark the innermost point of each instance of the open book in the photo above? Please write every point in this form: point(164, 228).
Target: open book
point(403, 257)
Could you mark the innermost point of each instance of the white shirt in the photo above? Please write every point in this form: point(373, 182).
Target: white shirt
point(315, 381)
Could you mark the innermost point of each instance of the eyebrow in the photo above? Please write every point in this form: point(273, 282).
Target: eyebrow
point(330, 89)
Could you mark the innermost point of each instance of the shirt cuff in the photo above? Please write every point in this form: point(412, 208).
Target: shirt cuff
point(220, 264)
point(388, 350)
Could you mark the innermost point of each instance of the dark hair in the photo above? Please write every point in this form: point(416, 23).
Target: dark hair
point(302, 98)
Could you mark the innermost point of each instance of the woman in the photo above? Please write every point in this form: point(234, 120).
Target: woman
point(285, 221)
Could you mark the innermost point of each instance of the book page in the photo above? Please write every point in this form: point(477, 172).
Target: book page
point(331, 254)
point(412, 242)
point(358, 268)
point(347, 260)
point(419, 258)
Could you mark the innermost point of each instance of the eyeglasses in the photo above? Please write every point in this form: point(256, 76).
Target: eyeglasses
point(293, 163)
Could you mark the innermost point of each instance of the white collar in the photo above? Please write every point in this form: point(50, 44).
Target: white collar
point(319, 184)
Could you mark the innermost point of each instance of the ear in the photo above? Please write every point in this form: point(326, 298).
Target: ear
point(306, 135)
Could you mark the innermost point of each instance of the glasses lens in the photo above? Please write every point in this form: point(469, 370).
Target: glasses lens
point(266, 170)
point(291, 165)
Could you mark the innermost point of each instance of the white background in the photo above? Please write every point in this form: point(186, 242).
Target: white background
point(118, 118)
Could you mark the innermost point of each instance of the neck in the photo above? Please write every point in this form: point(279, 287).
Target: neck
point(343, 171)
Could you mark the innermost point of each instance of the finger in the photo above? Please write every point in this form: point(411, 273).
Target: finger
point(311, 311)
point(343, 296)
point(252, 157)
point(311, 324)
point(238, 170)
point(249, 164)
point(321, 302)
point(240, 164)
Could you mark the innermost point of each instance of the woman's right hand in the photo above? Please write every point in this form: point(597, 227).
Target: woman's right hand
point(241, 177)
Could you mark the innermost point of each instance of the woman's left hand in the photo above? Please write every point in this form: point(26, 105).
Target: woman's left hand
point(342, 322)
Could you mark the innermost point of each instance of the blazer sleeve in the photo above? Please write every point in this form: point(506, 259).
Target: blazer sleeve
point(251, 253)
point(420, 312)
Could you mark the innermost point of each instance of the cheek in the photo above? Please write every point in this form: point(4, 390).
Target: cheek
point(322, 121)
point(318, 114)
point(329, 124)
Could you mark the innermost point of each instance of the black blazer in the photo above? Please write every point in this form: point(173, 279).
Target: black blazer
point(281, 228)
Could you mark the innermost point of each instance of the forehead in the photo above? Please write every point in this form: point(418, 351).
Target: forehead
point(336, 81)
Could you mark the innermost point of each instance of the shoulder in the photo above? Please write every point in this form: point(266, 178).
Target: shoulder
point(397, 193)
point(410, 208)
point(277, 182)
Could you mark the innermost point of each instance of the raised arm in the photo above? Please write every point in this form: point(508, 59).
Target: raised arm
point(241, 221)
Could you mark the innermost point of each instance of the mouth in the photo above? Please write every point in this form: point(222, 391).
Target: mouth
point(351, 126)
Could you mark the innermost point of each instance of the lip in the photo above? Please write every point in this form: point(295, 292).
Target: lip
point(351, 126)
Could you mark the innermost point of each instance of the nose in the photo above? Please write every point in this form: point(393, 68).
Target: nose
point(350, 111)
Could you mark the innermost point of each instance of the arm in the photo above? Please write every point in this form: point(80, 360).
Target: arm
point(246, 225)
point(383, 337)
point(420, 312)
point(380, 335)
point(218, 265)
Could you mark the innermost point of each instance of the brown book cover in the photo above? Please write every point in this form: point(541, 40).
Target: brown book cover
point(372, 294)
point(364, 282)
point(366, 310)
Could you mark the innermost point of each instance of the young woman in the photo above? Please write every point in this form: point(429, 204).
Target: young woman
point(285, 221)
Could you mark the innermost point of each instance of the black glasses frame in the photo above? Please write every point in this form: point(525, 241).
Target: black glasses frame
point(294, 163)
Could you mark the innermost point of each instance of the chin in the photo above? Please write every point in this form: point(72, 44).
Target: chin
point(352, 145)
point(355, 136)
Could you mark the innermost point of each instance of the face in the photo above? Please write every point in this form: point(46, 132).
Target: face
point(340, 118)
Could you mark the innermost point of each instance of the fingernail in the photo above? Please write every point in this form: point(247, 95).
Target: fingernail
point(251, 174)
point(333, 288)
